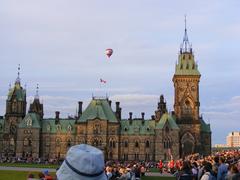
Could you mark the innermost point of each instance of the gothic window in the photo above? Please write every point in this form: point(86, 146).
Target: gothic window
point(147, 157)
point(187, 108)
point(69, 143)
point(25, 142)
point(187, 66)
point(69, 128)
point(29, 122)
point(97, 129)
point(167, 144)
point(125, 144)
point(148, 129)
point(14, 106)
point(110, 144)
point(48, 128)
point(125, 157)
point(167, 129)
point(12, 143)
point(136, 144)
point(136, 157)
point(125, 129)
point(47, 140)
point(59, 127)
point(147, 144)
point(0, 127)
point(58, 142)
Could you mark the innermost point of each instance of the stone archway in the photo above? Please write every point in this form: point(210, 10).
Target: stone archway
point(187, 144)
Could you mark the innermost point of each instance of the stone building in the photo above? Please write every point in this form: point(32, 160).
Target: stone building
point(175, 134)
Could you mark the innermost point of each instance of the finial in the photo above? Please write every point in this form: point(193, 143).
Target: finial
point(37, 96)
point(185, 46)
point(18, 77)
point(9, 86)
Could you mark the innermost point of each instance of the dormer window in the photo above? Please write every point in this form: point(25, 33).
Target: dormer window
point(69, 128)
point(29, 122)
point(48, 128)
point(58, 127)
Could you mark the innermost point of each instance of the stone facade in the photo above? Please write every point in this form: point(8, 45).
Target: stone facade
point(165, 135)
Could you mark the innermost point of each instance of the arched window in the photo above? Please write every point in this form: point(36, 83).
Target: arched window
point(59, 127)
point(25, 142)
point(69, 128)
point(58, 141)
point(125, 144)
point(69, 143)
point(136, 144)
point(48, 128)
point(147, 144)
point(114, 144)
point(29, 122)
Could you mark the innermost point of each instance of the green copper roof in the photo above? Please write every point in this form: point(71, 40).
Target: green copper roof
point(98, 108)
point(205, 127)
point(186, 65)
point(31, 120)
point(166, 118)
point(18, 91)
point(137, 127)
point(64, 126)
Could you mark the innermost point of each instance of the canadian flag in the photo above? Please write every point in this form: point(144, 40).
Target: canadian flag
point(103, 81)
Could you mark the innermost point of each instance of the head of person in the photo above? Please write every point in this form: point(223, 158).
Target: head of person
point(82, 162)
point(208, 167)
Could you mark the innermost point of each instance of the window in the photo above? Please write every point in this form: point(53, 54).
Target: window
point(29, 122)
point(147, 144)
point(136, 157)
point(59, 127)
point(58, 142)
point(125, 129)
point(69, 128)
point(125, 157)
point(136, 144)
point(167, 144)
point(125, 144)
point(25, 142)
point(147, 157)
point(48, 128)
point(114, 144)
point(69, 143)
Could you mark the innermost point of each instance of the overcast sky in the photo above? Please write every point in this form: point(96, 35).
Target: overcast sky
point(61, 44)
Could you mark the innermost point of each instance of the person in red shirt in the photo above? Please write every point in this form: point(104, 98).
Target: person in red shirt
point(160, 166)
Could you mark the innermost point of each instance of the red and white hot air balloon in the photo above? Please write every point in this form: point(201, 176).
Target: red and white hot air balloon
point(109, 52)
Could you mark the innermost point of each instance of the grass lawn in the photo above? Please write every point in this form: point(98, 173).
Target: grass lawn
point(22, 175)
point(29, 165)
point(16, 175)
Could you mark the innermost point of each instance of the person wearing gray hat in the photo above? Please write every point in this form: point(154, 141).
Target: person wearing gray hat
point(82, 162)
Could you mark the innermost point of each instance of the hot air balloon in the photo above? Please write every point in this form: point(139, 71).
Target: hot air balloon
point(109, 52)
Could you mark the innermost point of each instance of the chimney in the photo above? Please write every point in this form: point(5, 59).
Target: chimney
point(79, 108)
point(130, 118)
point(110, 102)
point(57, 117)
point(118, 111)
point(130, 115)
point(142, 117)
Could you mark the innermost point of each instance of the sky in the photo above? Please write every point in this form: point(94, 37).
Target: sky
point(60, 45)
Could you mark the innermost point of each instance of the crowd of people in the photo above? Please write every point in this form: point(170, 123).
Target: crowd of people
point(87, 162)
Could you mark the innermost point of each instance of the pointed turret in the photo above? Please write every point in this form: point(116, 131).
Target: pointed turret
point(36, 106)
point(186, 64)
point(16, 100)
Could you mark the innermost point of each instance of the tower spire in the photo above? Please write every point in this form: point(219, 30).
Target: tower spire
point(37, 88)
point(18, 76)
point(185, 46)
